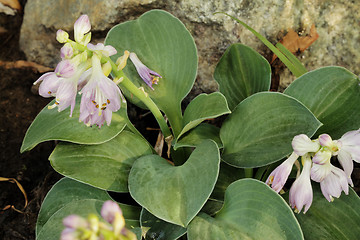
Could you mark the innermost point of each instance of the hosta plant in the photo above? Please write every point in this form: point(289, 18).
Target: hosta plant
point(277, 165)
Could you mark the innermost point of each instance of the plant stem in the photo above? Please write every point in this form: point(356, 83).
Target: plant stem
point(248, 172)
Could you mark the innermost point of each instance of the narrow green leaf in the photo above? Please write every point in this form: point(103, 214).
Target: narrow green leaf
point(292, 67)
point(175, 194)
point(72, 194)
point(163, 44)
point(50, 124)
point(333, 95)
point(105, 166)
point(199, 134)
point(251, 211)
point(242, 72)
point(158, 229)
point(336, 220)
point(292, 58)
point(260, 129)
point(203, 107)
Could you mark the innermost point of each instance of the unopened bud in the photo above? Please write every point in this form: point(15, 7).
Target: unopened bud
point(74, 222)
point(62, 36)
point(121, 61)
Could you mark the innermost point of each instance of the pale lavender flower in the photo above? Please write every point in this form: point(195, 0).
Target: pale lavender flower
point(75, 221)
point(67, 51)
point(100, 96)
point(349, 150)
point(149, 76)
point(301, 194)
point(320, 171)
point(69, 234)
point(81, 27)
point(335, 183)
point(302, 144)
point(109, 211)
point(51, 81)
point(67, 90)
point(279, 175)
point(322, 156)
point(107, 50)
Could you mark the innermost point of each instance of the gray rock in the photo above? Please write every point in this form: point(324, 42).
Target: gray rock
point(336, 22)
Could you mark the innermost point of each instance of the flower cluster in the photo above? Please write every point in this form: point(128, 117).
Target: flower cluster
point(85, 69)
point(316, 160)
point(77, 228)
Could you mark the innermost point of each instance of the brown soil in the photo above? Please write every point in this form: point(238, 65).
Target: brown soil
point(18, 108)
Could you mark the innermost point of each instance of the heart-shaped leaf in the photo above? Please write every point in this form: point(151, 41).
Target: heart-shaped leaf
point(203, 107)
point(251, 211)
point(260, 129)
point(164, 45)
point(242, 72)
point(336, 220)
point(105, 166)
point(50, 124)
point(71, 197)
point(158, 229)
point(333, 95)
point(197, 135)
point(175, 194)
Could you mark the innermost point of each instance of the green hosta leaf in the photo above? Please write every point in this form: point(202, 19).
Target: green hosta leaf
point(197, 135)
point(163, 44)
point(105, 166)
point(261, 128)
point(203, 107)
point(158, 229)
point(71, 197)
point(251, 211)
point(175, 194)
point(212, 207)
point(227, 175)
point(333, 95)
point(50, 124)
point(336, 220)
point(242, 72)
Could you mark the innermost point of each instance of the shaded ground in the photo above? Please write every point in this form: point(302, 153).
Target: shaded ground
point(18, 107)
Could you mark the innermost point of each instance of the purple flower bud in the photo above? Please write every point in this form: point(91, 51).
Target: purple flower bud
point(325, 140)
point(66, 52)
point(149, 76)
point(75, 222)
point(81, 27)
point(68, 234)
point(109, 211)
